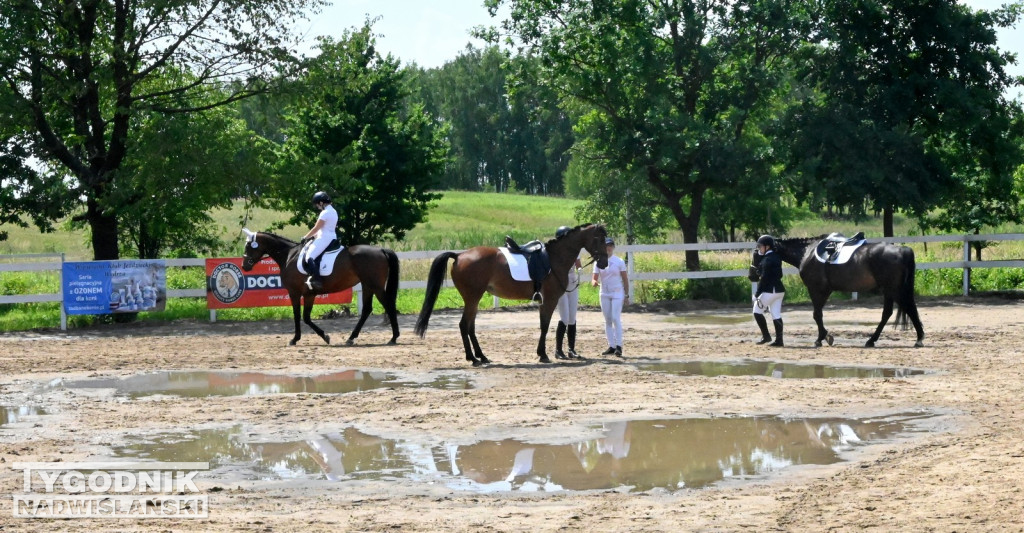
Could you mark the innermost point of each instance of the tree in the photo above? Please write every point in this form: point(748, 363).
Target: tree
point(898, 94)
point(78, 74)
point(499, 135)
point(678, 87)
point(178, 168)
point(356, 135)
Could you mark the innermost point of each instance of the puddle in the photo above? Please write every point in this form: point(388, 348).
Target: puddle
point(710, 320)
point(776, 369)
point(12, 414)
point(634, 456)
point(200, 384)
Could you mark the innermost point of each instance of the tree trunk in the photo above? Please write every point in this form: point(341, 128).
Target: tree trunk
point(104, 232)
point(887, 221)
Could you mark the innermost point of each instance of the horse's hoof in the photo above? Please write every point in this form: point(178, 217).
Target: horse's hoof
point(869, 344)
point(327, 339)
point(292, 342)
point(544, 359)
point(817, 344)
point(478, 363)
point(350, 342)
point(484, 360)
point(830, 339)
point(393, 341)
point(918, 344)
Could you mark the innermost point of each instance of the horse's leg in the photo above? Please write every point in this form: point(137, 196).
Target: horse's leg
point(886, 313)
point(469, 314)
point(466, 343)
point(823, 335)
point(295, 314)
point(545, 323)
point(307, 311)
point(391, 310)
point(911, 311)
point(367, 298)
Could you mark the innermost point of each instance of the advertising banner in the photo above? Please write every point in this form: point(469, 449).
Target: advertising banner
point(104, 287)
point(228, 286)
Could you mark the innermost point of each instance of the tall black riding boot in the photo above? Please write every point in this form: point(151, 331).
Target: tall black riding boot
point(763, 325)
point(315, 282)
point(559, 335)
point(571, 330)
point(778, 333)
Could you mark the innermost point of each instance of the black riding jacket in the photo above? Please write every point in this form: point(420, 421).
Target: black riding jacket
point(771, 274)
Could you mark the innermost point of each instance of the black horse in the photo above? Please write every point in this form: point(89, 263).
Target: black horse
point(376, 268)
point(886, 267)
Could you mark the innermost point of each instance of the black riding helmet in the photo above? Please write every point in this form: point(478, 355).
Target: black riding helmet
point(562, 231)
point(766, 240)
point(321, 196)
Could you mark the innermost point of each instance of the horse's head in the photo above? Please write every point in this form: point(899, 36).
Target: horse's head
point(593, 242)
point(754, 274)
point(254, 251)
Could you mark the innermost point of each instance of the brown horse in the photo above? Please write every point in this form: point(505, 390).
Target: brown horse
point(376, 268)
point(484, 269)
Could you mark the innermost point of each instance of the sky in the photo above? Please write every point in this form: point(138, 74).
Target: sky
point(433, 32)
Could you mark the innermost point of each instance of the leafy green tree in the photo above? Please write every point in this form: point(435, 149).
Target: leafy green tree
point(178, 168)
point(679, 88)
point(78, 73)
point(897, 97)
point(499, 135)
point(355, 135)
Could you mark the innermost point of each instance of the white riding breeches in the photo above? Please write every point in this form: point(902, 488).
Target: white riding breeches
point(772, 301)
point(611, 307)
point(567, 306)
point(319, 245)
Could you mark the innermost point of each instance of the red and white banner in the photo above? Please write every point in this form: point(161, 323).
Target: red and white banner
point(228, 286)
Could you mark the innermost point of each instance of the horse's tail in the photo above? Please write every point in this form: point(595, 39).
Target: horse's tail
point(905, 300)
point(438, 270)
point(391, 289)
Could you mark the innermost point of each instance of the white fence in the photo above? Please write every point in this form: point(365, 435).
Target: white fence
point(53, 262)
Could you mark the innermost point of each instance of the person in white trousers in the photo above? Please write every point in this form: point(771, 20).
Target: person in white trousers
point(614, 282)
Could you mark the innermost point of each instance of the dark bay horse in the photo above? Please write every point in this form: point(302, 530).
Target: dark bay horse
point(484, 269)
point(376, 268)
point(886, 267)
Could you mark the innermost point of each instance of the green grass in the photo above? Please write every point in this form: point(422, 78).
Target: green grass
point(462, 220)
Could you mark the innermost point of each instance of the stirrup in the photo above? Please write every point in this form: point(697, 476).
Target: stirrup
point(310, 282)
point(538, 297)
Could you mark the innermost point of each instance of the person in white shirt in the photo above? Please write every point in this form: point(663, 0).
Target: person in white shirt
point(567, 307)
point(322, 233)
point(614, 282)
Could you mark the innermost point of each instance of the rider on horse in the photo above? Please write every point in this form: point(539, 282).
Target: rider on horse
point(322, 233)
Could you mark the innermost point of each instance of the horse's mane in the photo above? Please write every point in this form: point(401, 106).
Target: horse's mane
point(798, 242)
point(278, 237)
point(573, 230)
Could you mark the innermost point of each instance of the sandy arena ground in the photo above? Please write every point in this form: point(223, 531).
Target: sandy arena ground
point(965, 475)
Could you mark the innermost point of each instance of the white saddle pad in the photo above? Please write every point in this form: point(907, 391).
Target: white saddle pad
point(326, 264)
point(846, 252)
point(516, 265)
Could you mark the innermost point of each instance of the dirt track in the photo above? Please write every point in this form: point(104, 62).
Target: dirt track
point(963, 476)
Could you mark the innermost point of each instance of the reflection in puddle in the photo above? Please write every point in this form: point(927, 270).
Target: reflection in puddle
point(207, 383)
point(776, 369)
point(632, 455)
point(12, 414)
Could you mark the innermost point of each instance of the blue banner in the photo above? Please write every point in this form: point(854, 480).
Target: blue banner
point(104, 287)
